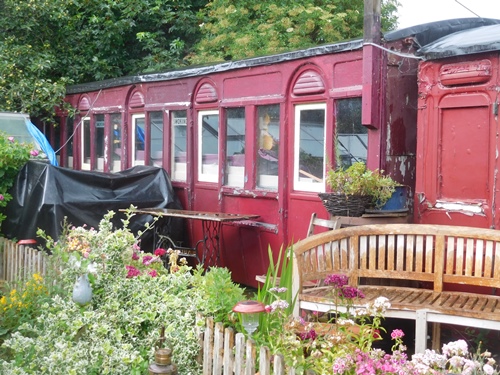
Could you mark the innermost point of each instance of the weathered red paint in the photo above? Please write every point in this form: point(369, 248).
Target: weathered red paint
point(284, 212)
point(457, 153)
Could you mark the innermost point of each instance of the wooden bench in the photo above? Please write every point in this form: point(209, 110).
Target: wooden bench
point(429, 273)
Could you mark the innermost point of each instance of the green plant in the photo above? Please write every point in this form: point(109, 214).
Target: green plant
point(220, 294)
point(22, 305)
point(13, 156)
point(277, 286)
point(359, 180)
point(134, 297)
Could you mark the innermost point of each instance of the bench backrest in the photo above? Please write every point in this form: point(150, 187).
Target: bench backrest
point(434, 253)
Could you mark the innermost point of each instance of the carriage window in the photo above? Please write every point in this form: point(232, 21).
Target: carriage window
point(352, 137)
point(268, 122)
point(208, 146)
point(86, 142)
point(179, 143)
point(309, 150)
point(156, 141)
point(99, 142)
point(69, 140)
point(235, 147)
point(138, 136)
point(116, 139)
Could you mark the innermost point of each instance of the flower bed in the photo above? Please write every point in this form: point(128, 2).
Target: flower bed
point(133, 298)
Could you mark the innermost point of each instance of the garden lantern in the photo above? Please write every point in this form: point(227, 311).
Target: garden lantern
point(250, 313)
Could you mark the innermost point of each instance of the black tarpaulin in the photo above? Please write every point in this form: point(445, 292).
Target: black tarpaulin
point(43, 195)
point(478, 40)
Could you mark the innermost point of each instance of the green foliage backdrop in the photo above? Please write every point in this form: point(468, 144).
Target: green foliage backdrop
point(48, 44)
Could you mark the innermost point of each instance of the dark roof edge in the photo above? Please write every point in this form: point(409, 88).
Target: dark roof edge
point(429, 32)
point(218, 67)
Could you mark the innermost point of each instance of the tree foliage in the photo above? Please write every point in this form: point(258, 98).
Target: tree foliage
point(48, 44)
point(237, 29)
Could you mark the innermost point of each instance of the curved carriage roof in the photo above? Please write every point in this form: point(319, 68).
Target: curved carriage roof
point(219, 67)
point(422, 34)
point(467, 42)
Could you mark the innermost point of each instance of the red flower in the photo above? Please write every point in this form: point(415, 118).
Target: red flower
point(132, 272)
point(153, 273)
point(160, 252)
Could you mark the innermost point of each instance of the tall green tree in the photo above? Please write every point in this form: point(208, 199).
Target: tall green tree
point(236, 29)
point(47, 44)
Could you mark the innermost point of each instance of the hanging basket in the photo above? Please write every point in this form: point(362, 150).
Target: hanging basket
point(345, 205)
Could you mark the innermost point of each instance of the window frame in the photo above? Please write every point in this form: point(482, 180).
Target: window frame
point(207, 177)
point(298, 183)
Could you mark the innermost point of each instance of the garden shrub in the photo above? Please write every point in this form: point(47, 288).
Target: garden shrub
point(13, 156)
point(134, 299)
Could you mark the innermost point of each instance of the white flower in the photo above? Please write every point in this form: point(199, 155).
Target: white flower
point(488, 370)
point(379, 306)
point(458, 347)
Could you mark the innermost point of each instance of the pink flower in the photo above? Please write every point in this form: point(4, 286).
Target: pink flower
point(397, 334)
point(160, 252)
point(136, 246)
point(34, 152)
point(132, 272)
point(135, 256)
point(2, 197)
point(153, 273)
point(147, 259)
point(11, 139)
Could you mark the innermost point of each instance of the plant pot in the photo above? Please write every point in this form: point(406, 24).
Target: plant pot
point(397, 201)
point(345, 205)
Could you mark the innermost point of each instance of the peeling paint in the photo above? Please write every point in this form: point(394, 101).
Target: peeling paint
point(471, 208)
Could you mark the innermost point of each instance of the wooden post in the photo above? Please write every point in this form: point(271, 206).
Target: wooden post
point(371, 64)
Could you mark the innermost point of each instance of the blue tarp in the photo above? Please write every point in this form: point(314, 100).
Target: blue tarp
point(42, 142)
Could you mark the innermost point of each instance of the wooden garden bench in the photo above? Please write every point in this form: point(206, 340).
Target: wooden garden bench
point(429, 273)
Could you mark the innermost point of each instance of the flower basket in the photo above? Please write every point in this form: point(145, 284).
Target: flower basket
point(345, 205)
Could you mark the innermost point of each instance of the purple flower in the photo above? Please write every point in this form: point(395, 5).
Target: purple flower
point(337, 281)
point(308, 335)
point(350, 292)
point(2, 197)
point(34, 152)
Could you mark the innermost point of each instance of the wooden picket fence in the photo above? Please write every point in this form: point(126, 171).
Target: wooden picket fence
point(20, 262)
point(227, 353)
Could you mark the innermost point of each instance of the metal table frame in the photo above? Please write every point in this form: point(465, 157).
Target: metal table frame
point(211, 223)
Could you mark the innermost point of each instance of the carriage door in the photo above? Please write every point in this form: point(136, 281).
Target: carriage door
point(457, 153)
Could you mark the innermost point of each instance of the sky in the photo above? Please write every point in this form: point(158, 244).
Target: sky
point(414, 12)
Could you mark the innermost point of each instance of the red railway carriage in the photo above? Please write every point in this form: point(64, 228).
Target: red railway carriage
point(458, 125)
point(257, 136)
